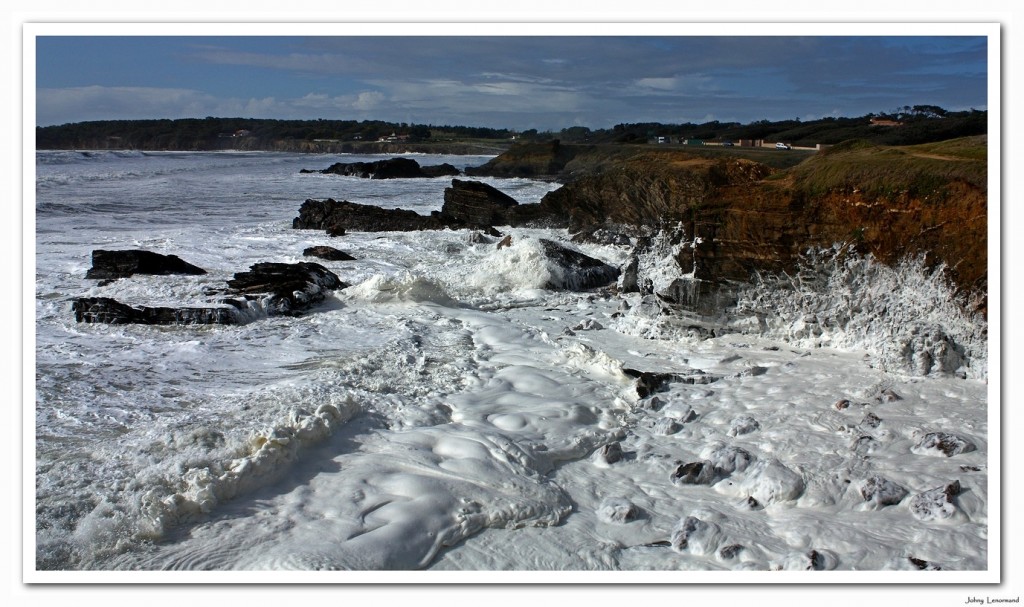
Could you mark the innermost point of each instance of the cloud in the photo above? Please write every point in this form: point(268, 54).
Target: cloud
point(368, 100)
point(105, 103)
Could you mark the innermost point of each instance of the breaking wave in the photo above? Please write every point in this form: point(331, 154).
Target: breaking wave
point(909, 317)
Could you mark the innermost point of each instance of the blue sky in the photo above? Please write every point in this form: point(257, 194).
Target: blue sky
point(520, 82)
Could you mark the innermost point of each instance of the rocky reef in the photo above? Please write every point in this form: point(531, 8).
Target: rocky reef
point(267, 289)
point(392, 168)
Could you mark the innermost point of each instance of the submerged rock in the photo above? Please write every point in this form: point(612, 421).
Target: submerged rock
point(881, 492)
point(328, 253)
point(608, 454)
point(617, 510)
point(935, 504)
point(696, 536)
point(727, 459)
point(812, 560)
point(743, 424)
point(942, 443)
point(694, 473)
point(122, 264)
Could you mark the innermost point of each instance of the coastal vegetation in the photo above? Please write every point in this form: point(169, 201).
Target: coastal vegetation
point(904, 126)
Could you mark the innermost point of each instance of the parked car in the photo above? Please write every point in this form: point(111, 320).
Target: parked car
point(728, 143)
point(782, 146)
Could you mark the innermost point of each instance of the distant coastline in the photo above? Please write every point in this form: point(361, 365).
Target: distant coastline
point(914, 126)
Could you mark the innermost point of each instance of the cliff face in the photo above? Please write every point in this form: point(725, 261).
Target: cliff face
point(744, 217)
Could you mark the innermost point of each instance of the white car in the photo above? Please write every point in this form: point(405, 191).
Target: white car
point(782, 146)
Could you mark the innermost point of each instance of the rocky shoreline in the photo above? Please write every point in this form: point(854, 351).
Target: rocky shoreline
point(698, 228)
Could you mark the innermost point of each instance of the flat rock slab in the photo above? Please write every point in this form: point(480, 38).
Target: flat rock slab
point(122, 264)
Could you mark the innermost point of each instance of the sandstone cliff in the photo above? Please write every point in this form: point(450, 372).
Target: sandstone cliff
point(743, 216)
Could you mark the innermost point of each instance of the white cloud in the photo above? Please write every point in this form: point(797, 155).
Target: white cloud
point(689, 83)
point(368, 100)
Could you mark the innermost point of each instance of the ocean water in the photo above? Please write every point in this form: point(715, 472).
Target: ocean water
point(448, 412)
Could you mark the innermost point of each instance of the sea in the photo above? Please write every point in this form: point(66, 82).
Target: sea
point(449, 411)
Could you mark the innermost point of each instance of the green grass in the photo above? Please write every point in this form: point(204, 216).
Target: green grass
point(887, 172)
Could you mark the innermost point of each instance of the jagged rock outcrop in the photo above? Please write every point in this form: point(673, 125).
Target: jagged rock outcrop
point(332, 214)
point(286, 288)
point(267, 289)
point(392, 168)
point(469, 204)
point(122, 264)
point(477, 204)
point(578, 271)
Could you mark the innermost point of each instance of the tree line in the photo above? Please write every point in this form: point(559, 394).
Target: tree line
point(913, 124)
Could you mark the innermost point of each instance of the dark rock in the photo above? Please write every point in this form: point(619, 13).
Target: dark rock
point(479, 238)
point(935, 504)
point(109, 311)
point(870, 421)
point(888, 396)
point(579, 271)
point(342, 215)
point(882, 492)
point(335, 231)
point(694, 473)
point(280, 288)
point(648, 382)
point(629, 281)
point(609, 454)
point(753, 371)
point(440, 170)
point(816, 560)
point(942, 443)
point(505, 242)
point(653, 403)
point(122, 264)
point(602, 236)
point(393, 168)
point(328, 253)
point(727, 553)
point(842, 404)
point(290, 288)
point(698, 378)
point(476, 204)
point(923, 565)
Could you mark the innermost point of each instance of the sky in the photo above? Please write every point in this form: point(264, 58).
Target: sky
point(517, 82)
